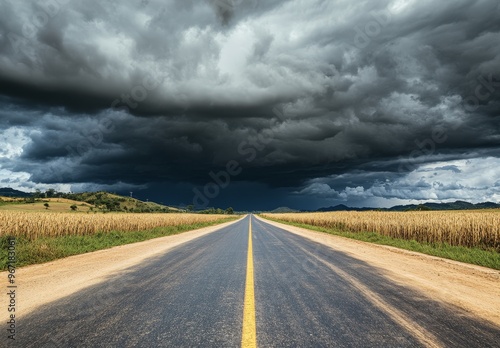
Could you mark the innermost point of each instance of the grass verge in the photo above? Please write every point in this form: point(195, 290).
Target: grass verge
point(475, 256)
point(41, 250)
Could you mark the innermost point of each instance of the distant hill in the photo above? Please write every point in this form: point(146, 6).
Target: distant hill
point(457, 205)
point(284, 210)
point(487, 205)
point(112, 202)
point(10, 192)
point(339, 207)
point(53, 204)
point(95, 201)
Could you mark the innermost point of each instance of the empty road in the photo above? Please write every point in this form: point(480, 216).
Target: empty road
point(250, 284)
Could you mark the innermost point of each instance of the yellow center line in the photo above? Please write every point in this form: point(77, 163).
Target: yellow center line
point(249, 337)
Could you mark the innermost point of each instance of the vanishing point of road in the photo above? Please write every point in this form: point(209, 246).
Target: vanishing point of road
point(252, 284)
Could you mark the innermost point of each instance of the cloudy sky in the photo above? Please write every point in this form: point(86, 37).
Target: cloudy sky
point(253, 104)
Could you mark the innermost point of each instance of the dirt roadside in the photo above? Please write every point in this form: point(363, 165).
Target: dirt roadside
point(41, 284)
point(475, 289)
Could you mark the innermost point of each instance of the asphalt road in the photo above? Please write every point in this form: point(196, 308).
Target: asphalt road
point(306, 295)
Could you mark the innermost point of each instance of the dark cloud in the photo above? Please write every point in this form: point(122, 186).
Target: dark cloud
point(322, 100)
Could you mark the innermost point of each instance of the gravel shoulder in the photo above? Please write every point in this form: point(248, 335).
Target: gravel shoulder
point(41, 284)
point(473, 288)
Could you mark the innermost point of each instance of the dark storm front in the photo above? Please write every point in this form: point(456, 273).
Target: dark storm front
point(248, 149)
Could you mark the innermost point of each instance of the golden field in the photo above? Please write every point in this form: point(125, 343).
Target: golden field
point(33, 225)
point(56, 205)
point(475, 228)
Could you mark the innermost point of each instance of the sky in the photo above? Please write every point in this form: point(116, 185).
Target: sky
point(253, 104)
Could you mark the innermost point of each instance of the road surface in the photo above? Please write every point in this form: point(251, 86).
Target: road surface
point(249, 284)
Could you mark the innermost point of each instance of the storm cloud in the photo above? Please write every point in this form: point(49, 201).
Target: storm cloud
point(318, 102)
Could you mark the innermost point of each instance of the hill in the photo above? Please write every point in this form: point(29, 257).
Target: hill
point(10, 192)
point(112, 202)
point(457, 205)
point(54, 204)
point(284, 210)
point(339, 207)
point(11, 199)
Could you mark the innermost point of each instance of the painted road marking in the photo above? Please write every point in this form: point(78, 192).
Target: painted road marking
point(249, 337)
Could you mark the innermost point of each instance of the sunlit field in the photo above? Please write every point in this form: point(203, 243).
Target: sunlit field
point(477, 228)
point(33, 225)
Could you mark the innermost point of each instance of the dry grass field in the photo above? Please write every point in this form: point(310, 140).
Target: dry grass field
point(33, 225)
point(476, 228)
point(55, 205)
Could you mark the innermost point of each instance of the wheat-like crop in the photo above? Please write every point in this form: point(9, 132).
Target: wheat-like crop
point(464, 228)
point(33, 225)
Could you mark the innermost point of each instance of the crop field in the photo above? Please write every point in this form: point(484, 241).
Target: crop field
point(475, 228)
point(54, 205)
point(34, 225)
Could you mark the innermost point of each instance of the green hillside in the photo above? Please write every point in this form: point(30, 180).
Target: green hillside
point(81, 202)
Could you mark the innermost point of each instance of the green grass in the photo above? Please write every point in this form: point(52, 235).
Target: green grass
point(51, 248)
point(476, 256)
